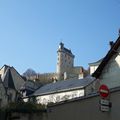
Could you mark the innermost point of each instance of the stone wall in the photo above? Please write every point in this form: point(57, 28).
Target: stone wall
point(44, 78)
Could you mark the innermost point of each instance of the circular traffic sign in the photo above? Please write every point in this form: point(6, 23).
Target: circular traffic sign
point(104, 91)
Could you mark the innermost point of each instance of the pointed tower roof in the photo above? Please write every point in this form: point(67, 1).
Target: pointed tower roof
point(65, 50)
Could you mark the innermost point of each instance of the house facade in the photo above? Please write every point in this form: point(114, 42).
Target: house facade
point(108, 71)
point(62, 91)
point(10, 84)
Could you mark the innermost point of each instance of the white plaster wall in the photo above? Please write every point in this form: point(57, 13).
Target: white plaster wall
point(53, 98)
point(57, 97)
point(111, 73)
point(92, 69)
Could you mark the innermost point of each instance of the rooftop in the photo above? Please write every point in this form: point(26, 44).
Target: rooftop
point(65, 85)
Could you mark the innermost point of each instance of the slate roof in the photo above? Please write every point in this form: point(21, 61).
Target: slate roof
point(65, 85)
point(12, 79)
point(108, 56)
point(63, 49)
point(8, 79)
point(30, 86)
point(97, 62)
point(5, 67)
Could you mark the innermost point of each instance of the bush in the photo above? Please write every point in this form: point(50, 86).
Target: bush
point(25, 107)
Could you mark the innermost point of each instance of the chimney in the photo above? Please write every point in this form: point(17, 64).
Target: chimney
point(111, 43)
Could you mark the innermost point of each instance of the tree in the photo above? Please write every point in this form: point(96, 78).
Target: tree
point(29, 72)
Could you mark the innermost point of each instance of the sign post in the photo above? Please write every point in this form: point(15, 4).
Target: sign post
point(105, 104)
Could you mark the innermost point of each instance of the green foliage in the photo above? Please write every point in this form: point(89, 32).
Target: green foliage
point(25, 107)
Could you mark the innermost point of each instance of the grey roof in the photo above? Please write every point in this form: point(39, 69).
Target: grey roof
point(65, 85)
point(97, 62)
point(12, 79)
point(31, 85)
point(5, 67)
point(8, 80)
point(113, 51)
point(63, 49)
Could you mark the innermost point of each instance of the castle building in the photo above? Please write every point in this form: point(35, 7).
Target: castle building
point(65, 61)
point(65, 68)
point(65, 65)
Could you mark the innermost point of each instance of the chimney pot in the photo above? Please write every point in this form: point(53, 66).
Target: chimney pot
point(111, 44)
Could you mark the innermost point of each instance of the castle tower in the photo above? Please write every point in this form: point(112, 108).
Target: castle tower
point(65, 61)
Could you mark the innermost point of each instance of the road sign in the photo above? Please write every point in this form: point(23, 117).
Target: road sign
point(104, 91)
point(104, 102)
point(104, 108)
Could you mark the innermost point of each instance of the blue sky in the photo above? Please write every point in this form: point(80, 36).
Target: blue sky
point(31, 30)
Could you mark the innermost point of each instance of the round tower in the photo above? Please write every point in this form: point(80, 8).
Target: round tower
point(65, 61)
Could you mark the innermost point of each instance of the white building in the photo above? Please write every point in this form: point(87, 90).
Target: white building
point(108, 72)
point(65, 65)
point(93, 66)
point(62, 90)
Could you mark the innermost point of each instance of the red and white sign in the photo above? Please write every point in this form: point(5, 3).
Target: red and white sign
point(104, 91)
